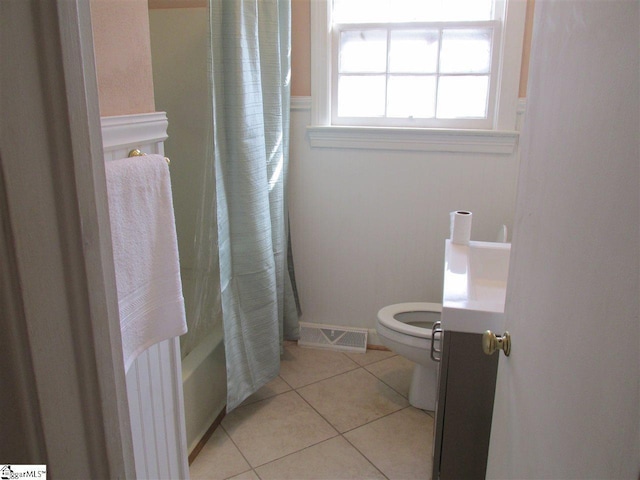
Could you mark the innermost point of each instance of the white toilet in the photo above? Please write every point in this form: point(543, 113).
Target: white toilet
point(405, 328)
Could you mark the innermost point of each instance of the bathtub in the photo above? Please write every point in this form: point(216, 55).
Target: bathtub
point(204, 381)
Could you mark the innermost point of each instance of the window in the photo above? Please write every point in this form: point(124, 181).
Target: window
point(425, 64)
point(414, 63)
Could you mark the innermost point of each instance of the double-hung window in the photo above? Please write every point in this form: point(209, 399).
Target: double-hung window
point(445, 64)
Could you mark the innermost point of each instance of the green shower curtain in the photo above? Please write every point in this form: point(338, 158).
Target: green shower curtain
point(251, 45)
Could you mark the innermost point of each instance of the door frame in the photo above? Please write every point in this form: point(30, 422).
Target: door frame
point(58, 294)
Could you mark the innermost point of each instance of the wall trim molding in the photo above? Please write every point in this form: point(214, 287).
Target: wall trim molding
point(162, 4)
point(520, 111)
point(122, 131)
point(497, 142)
point(300, 103)
point(407, 139)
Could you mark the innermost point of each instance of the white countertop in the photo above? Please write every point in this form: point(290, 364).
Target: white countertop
point(475, 284)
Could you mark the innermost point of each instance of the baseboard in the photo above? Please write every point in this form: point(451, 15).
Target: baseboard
point(373, 340)
point(381, 348)
point(205, 438)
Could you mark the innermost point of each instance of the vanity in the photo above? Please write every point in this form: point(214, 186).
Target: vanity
point(475, 281)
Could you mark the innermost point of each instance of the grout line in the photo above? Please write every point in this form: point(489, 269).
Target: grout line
point(327, 378)
point(320, 414)
point(337, 433)
point(366, 423)
point(390, 386)
point(341, 434)
point(288, 384)
point(366, 458)
point(241, 473)
point(237, 448)
point(256, 473)
point(375, 420)
point(297, 451)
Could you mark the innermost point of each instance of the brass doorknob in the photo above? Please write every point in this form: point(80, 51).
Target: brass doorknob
point(492, 342)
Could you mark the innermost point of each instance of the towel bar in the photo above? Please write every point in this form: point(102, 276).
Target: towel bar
point(138, 153)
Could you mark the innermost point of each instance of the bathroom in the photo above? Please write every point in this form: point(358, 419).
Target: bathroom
point(349, 206)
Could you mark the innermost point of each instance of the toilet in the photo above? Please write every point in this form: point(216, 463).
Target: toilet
point(405, 328)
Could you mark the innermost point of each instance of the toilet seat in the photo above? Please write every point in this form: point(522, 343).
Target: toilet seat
point(386, 317)
point(414, 344)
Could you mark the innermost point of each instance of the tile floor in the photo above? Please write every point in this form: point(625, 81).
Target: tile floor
point(329, 415)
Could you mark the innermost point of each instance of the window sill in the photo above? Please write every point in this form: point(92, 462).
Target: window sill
point(414, 139)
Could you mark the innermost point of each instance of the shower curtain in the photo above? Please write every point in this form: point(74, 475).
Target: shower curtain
point(250, 42)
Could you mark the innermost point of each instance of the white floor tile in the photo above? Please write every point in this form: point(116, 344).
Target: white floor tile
point(352, 399)
point(250, 475)
point(218, 459)
point(370, 357)
point(302, 365)
point(272, 428)
point(395, 372)
point(271, 389)
point(280, 433)
point(333, 459)
point(399, 444)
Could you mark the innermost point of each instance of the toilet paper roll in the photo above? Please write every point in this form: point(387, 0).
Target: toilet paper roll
point(461, 227)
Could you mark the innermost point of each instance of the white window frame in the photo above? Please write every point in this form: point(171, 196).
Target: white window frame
point(501, 138)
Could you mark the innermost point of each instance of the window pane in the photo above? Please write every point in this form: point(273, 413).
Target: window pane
point(413, 51)
point(411, 97)
point(363, 51)
point(372, 11)
point(361, 96)
point(466, 51)
point(463, 97)
point(466, 10)
point(360, 11)
point(415, 11)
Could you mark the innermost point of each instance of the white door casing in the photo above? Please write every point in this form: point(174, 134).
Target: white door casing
point(67, 400)
point(568, 398)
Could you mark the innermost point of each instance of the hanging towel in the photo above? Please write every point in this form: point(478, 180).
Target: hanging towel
point(145, 252)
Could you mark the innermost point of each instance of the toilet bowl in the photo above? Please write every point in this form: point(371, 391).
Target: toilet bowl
point(405, 328)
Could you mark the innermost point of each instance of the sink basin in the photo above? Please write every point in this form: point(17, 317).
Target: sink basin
point(475, 284)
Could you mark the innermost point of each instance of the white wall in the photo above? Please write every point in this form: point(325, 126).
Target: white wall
point(368, 226)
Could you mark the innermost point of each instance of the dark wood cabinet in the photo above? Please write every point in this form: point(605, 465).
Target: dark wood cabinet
point(466, 391)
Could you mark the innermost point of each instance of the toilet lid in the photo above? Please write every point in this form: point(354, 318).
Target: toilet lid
point(386, 316)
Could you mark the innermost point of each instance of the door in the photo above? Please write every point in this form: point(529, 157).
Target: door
point(567, 398)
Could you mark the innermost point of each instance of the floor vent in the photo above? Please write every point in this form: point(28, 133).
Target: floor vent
point(333, 337)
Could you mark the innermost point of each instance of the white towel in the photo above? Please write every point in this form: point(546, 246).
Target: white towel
point(145, 252)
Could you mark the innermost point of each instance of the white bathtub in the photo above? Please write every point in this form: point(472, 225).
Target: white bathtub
point(204, 381)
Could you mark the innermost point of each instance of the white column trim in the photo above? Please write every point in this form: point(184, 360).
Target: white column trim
point(320, 62)
point(300, 103)
point(132, 130)
point(154, 381)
